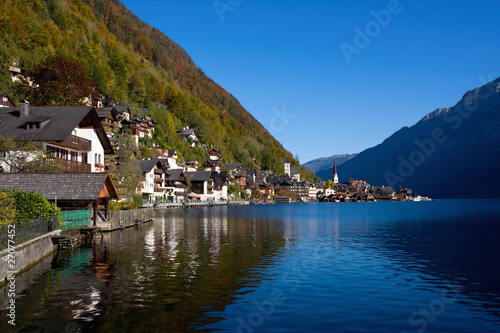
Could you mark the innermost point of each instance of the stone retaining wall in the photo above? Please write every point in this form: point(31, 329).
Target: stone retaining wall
point(26, 254)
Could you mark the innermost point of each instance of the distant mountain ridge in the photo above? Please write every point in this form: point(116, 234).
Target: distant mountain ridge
point(321, 163)
point(450, 153)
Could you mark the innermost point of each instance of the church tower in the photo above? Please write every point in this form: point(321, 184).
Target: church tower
point(335, 176)
point(287, 167)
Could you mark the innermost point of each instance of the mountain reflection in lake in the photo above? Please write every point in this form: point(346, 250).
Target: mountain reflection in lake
point(357, 267)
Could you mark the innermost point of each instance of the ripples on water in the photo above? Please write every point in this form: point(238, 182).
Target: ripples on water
point(326, 267)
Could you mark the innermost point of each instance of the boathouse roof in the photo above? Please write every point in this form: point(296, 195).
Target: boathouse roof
point(62, 186)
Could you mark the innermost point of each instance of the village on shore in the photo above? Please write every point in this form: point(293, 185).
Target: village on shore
point(80, 137)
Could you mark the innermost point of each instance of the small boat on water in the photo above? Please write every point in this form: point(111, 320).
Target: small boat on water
point(419, 198)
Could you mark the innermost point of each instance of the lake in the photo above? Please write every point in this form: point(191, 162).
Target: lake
point(318, 267)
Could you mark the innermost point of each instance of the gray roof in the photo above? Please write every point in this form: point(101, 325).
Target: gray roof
point(294, 171)
point(173, 175)
point(212, 163)
point(105, 112)
point(61, 121)
point(199, 176)
point(122, 108)
point(187, 131)
point(238, 173)
point(63, 186)
point(387, 190)
point(108, 100)
point(148, 165)
point(233, 165)
point(220, 178)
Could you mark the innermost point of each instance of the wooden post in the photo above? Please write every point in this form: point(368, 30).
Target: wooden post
point(94, 205)
point(106, 206)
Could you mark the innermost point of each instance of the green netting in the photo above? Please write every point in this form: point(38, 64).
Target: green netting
point(75, 218)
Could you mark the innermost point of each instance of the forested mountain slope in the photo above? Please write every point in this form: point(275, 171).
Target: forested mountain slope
point(137, 65)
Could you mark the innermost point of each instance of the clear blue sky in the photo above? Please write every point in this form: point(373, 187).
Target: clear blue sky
point(282, 58)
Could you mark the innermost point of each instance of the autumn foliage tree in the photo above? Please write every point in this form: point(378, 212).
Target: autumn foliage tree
point(60, 81)
point(25, 156)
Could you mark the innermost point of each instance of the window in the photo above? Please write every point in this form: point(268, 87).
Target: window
point(95, 158)
point(84, 158)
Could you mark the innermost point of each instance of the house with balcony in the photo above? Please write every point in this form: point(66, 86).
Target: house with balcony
point(239, 177)
point(200, 183)
point(189, 134)
point(123, 112)
point(141, 127)
point(212, 165)
point(219, 191)
point(175, 185)
point(313, 192)
point(170, 157)
point(72, 134)
point(215, 154)
point(191, 166)
point(108, 115)
point(267, 190)
point(153, 185)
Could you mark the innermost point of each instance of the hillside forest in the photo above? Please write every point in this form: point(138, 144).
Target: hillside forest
point(139, 66)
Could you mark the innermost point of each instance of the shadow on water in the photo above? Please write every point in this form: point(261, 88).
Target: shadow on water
point(462, 251)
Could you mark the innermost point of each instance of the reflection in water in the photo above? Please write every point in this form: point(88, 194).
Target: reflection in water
point(166, 274)
point(278, 268)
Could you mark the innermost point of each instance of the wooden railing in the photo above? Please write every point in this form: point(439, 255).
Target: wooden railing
point(72, 166)
point(77, 142)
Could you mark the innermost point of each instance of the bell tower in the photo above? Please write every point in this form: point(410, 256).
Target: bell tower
point(287, 167)
point(335, 176)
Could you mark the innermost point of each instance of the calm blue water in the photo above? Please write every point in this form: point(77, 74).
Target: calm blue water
point(325, 267)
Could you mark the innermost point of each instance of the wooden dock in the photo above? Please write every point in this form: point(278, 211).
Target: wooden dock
point(89, 231)
point(62, 241)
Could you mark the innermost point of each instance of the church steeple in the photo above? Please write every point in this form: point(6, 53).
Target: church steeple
point(335, 176)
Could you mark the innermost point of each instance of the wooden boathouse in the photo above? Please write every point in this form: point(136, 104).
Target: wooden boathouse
point(87, 192)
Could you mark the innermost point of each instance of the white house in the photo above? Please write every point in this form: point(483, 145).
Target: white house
point(329, 190)
point(189, 134)
point(153, 184)
point(313, 192)
point(72, 134)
